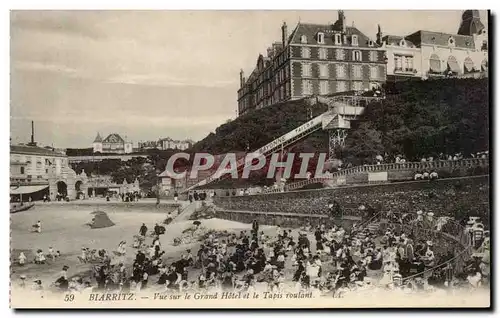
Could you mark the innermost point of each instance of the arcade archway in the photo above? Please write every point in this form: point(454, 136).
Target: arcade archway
point(62, 188)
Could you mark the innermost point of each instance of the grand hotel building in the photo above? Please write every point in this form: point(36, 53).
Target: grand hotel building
point(315, 59)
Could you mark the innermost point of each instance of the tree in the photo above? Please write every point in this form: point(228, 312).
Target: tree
point(364, 144)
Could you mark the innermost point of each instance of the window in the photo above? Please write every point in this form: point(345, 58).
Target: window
point(354, 40)
point(408, 63)
point(338, 39)
point(341, 71)
point(370, 43)
point(323, 87)
point(451, 41)
point(402, 43)
point(307, 87)
point(321, 38)
point(356, 55)
point(306, 69)
point(374, 72)
point(306, 52)
point(373, 56)
point(341, 86)
point(303, 39)
point(398, 62)
point(323, 53)
point(22, 170)
point(356, 71)
point(484, 46)
point(339, 54)
point(323, 70)
point(357, 86)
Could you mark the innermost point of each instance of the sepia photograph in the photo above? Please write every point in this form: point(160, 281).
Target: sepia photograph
point(250, 159)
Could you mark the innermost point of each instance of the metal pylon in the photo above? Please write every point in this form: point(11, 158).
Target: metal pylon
point(336, 138)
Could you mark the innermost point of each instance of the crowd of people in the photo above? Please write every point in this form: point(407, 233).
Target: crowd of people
point(331, 260)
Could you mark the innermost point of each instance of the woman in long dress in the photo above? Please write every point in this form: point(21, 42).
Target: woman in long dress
point(22, 259)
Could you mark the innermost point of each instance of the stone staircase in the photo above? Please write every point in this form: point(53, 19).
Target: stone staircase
point(186, 212)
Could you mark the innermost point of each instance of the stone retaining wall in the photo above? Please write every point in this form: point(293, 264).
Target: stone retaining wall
point(452, 197)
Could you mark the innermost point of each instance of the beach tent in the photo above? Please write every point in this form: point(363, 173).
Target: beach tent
point(100, 220)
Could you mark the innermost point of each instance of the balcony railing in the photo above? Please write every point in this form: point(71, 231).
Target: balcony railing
point(405, 70)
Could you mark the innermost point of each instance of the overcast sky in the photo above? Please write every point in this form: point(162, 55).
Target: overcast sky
point(152, 74)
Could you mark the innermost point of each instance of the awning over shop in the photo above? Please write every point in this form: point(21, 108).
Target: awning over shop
point(453, 64)
point(484, 65)
point(27, 189)
point(435, 63)
point(469, 65)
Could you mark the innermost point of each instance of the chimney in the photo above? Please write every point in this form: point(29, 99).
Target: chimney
point(284, 34)
point(242, 78)
point(32, 143)
point(379, 35)
point(342, 20)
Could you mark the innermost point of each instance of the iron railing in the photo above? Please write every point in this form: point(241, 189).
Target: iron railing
point(430, 165)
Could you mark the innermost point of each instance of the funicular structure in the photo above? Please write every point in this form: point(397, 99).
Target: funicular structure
point(342, 110)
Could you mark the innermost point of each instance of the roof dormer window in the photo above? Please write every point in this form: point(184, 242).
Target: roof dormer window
point(303, 39)
point(338, 39)
point(402, 42)
point(321, 38)
point(451, 41)
point(354, 40)
point(370, 43)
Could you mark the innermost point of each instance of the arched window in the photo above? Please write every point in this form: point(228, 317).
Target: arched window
point(356, 55)
point(451, 41)
point(468, 65)
point(435, 64)
point(354, 40)
point(453, 65)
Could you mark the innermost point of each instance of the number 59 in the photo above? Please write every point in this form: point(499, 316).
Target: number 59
point(69, 297)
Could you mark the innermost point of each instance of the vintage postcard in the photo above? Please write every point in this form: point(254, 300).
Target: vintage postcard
point(249, 159)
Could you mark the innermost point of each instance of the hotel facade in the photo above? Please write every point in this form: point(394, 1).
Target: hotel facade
point(322, 59)
point(315, 59)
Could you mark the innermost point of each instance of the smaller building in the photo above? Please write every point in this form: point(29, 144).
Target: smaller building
point(428, 54)
point(36, 172)
point(114, 143)
point(169, 143)
point(145, 145)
